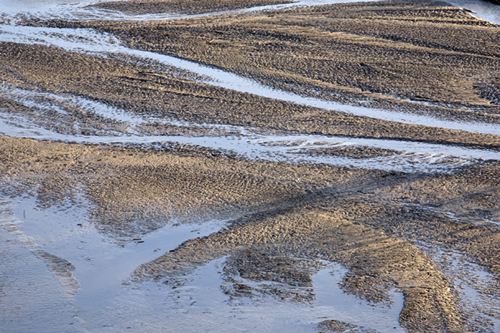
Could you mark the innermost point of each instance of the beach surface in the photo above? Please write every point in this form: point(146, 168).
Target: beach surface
point(249, 166)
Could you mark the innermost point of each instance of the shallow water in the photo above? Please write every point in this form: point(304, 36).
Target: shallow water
point(37, 297)
point(481, 9)
point(413, 156)
point(29, 290)
point(422, 157)
point(79, 9)
point(474, 285)
point(105, 301)
point(90, 41)
point(243, 141)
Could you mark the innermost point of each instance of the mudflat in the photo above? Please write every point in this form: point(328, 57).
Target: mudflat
point(368, 220)
point(285, 219)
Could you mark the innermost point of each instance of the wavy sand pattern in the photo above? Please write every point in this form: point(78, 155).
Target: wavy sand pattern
point(308, 167)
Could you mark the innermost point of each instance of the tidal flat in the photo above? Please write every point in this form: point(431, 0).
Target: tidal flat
point(309, 166)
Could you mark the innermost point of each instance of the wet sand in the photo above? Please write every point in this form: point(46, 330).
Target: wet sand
point(386, 54)
point(369, 221)
point(284, 220)
point(142, 91)
point(138, 7)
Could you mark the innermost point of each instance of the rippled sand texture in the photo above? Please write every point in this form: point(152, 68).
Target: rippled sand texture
point(366, 220)
point(138, 7)
point(412, 50)
point(398, 187)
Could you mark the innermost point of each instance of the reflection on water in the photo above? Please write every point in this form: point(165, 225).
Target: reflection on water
point(413, 157)
point(103, 300)
point(474, 285)
point(125, 128)
point(35, 5)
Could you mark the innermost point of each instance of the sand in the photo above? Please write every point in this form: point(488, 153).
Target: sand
point(284, 218)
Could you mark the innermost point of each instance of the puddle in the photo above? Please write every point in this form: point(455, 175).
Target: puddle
point(32, 299)
point(99, 264)
point(66, 232)
point(104, 303)
point(347, 308)
point(201, 305)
